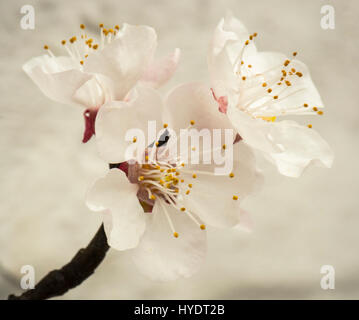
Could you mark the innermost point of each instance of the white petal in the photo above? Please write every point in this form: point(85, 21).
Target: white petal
point(160, 71)
point(163, 257)
point(116, 118)
point(228, 48)
point(57, 77)
point(301, 147)
point(125, 59)
point(193, 101)
point(255, 132)
point(211, 196)
point(124, 218)
point(91, 94)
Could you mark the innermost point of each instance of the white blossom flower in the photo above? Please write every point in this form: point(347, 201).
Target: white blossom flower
point(167, 233)
point(96, 71)
point(256, 89)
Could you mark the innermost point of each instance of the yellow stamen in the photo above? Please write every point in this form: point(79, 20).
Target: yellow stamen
point(235, 198)
point(175, 234)
point(202, 226)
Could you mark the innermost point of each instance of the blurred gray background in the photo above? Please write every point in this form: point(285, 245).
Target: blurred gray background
point(300, 224)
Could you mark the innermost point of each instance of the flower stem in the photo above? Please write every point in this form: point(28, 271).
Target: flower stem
point(82, 265)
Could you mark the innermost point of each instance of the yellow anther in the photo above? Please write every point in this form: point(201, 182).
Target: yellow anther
point(269, 90)
point(231, 175)
point(82, 26)
point(286, 62)
point(315, 109)
point(294, 54)
point(134, 139)
point(161, 182)
point(82, 62)
point(203, 227)
point(175, 234)
point(255, 34)
point(224, 147)
point(46, 47)
point(288, 83)
point(157, 143)
point(243, 78)
point(247, 42)
point(162, 170)
point(63, 42)
point(165, 125)
point(182, 164)
point(320, 112)
point(182, 180)
point(264, 84)
point(153, 197)
point(86, 55)
point(177, 173)
point(183, 209)
point(188, 191)
point(269, 119)
point(249, 66)
point(117, 27)
point(194, 176)
point(305, 105)
point(73, 39)
point(110, 30)
point(146, 158)
point(242, 62)
point(235, 198)
point(299, 74)
point(310, 126)
point(193, 148)
point(141, 178)
point(250, 37)
point(101, 25)
point(192, 122)
point(190, 185)
point(275, 97)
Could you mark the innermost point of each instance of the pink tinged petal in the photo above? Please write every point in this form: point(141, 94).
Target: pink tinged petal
point(162, 70)
point(116, 118)
point(162, 257)
point(301, 147)
point(222, 102)
point(124, 219)
point(125, 59)
point(57, 77)
point(193, 101)
point(211, 196)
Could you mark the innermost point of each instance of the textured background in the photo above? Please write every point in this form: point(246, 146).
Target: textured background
point(300, 224)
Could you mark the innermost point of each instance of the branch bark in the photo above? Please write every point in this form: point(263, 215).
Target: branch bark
point(82, 265)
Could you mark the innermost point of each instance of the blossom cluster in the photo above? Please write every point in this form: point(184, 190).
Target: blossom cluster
point(159, 208)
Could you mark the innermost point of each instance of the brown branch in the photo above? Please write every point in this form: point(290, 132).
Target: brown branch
point(82, 265)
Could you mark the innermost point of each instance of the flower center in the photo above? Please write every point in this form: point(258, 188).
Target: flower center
point(260, 94)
